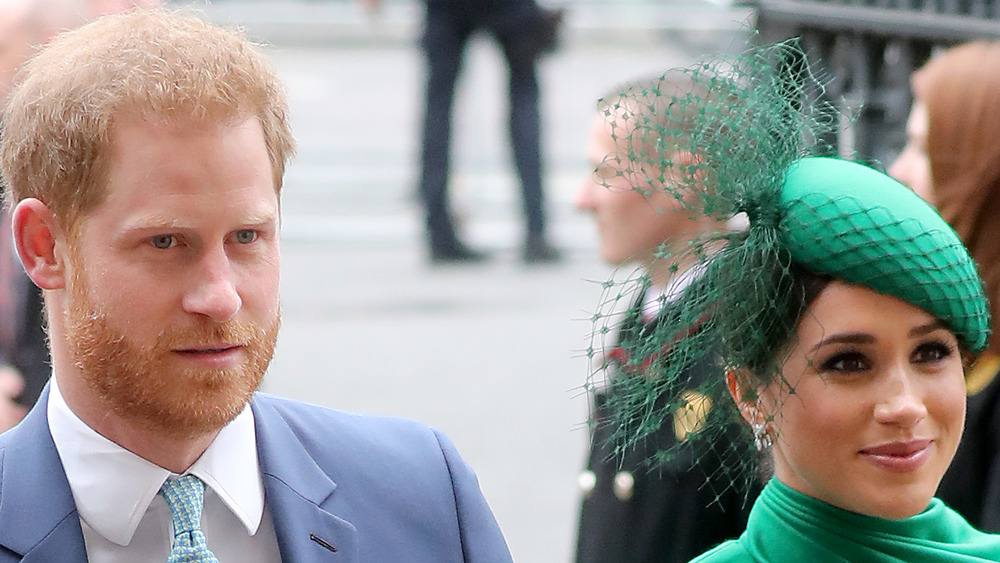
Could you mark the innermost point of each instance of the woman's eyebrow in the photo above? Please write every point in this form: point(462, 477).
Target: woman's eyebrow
point(845, 338)
point(926, 328)
point(866, 338)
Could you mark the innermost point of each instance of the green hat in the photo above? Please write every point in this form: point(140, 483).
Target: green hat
point(859, 225)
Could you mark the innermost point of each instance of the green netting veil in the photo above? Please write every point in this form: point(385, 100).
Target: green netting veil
point(742, 143)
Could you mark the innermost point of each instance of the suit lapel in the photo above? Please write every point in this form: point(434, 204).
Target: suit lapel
point(38, 517)
point(296, 491)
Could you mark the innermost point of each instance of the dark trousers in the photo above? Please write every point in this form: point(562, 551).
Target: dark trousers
point(448, 26)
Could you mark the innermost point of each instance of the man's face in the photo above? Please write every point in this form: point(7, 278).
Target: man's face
point(631, 223)
point(172, 307)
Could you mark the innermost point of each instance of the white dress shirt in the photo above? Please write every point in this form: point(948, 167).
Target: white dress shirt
point(657, 296)
point(123, 517)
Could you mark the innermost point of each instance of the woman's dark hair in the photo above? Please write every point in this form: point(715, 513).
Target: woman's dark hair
point(803, 286)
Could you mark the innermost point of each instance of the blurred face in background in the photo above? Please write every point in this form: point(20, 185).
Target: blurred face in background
point(631, 223)
point(15, 43)
point(913, 166)
point(101, 7)
point(869, 409)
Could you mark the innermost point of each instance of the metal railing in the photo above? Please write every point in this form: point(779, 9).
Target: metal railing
point(869, 48)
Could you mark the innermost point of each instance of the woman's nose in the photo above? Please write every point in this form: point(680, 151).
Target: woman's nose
point(902, 403)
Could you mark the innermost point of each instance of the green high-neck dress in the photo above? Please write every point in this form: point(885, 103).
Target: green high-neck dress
point(786, 525)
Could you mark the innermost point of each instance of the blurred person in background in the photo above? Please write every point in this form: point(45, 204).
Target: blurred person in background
point(524, 31)
point(101, 7)
point(25, 25)
point(952, 160)
point(633, 512)
point(24, 365)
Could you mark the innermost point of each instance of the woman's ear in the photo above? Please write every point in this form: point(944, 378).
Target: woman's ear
point(39, 240)
point(744, 393)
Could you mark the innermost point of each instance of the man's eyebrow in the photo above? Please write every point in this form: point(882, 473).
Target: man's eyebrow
point(152, 222)
point(157, 221)
point(261, 217)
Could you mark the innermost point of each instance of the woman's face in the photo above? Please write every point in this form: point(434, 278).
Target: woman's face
point(913, 166)
point(876, 407)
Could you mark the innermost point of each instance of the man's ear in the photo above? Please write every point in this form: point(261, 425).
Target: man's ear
point(40, 243)
point(680, 161)
point(682, 158)
point(744, 393)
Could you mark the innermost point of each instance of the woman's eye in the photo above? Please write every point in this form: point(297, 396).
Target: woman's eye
point(932, 352)
point(246, 236)
point(846, 363)
point(162, 242)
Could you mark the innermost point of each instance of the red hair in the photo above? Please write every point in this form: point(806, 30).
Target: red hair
point(961, 91)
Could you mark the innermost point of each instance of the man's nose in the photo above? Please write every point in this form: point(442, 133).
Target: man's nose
point(213, 292)
point(584, 200)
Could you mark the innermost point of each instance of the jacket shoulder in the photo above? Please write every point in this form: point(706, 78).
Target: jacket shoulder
point(361, 447)
point(385, 465)
point(325, 427)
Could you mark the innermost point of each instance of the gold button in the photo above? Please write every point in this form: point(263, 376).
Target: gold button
point(691, 415)
point(623, 485)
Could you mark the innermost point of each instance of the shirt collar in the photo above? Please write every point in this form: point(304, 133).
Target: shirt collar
point(112, 487)
point(658, 296)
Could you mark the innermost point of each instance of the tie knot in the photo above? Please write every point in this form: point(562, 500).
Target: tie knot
point(185, 497)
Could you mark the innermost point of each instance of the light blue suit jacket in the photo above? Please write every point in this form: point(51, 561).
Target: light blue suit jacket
point(341, 487)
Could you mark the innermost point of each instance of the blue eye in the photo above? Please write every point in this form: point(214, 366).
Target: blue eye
point(246, 236)
point(162, 242)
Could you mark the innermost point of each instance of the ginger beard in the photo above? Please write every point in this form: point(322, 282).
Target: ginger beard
point(147, 385)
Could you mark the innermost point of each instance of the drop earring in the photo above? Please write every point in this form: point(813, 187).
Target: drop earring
point(761, 439)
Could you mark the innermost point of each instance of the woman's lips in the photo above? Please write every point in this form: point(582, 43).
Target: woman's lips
point(899, 456)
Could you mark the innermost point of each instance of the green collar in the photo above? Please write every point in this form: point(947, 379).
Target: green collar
point(786, 525)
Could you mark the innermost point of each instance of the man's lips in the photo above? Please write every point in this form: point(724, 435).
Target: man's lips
point(213, 349)
point(903, 456)
point(214, 356)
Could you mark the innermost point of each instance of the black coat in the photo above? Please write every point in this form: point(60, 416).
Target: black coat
point(972, 483)
point(672, 512)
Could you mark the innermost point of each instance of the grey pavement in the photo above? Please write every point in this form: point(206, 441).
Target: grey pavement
point(491, 354)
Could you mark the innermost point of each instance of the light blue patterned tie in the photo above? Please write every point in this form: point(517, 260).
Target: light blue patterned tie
point(185, 497)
